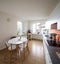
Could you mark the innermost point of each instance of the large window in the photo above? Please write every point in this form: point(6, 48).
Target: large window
point(19, 28)
point(36, 28)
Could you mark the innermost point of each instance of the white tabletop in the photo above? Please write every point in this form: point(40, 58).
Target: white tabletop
point(19, 42)
point(22, 40)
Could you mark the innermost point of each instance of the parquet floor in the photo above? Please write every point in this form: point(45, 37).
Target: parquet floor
point(35, 56)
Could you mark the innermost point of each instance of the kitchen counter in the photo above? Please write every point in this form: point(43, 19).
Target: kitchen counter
point(53, 58)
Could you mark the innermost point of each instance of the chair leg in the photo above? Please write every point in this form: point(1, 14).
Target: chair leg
point(27, 49)
point(22, 55)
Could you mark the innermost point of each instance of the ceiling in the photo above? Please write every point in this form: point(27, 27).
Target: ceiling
point(28, 9)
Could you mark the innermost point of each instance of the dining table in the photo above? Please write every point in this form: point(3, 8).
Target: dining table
point(17, 43)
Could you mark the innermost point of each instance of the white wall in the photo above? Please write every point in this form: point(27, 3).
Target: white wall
point(54, 17)
point(8, 27)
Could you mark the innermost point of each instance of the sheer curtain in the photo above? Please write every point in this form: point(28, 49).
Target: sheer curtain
point(19, 28)
point(36, 28)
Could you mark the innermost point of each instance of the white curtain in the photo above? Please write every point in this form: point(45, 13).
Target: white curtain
point(19, 28)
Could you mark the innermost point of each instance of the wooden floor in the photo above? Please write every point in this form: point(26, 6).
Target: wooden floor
point(35, 56)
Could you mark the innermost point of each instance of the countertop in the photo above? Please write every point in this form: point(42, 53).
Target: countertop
point(52, 52)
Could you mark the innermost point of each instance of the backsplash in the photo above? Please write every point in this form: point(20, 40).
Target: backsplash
point(57, 32)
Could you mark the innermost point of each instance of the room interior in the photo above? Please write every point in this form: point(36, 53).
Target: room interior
point(29, 32)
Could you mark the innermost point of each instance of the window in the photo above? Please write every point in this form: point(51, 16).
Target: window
point(19, 28)
point(36, 28)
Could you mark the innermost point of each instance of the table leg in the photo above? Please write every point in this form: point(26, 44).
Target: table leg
point(11, 48)
point(17, 49)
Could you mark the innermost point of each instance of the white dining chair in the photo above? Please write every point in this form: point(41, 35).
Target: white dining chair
point(8, 46)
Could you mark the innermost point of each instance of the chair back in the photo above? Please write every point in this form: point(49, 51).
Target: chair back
point(7, 44)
